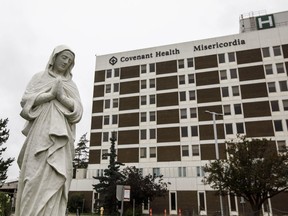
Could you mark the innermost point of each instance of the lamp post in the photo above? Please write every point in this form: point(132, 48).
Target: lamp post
point(217, 151)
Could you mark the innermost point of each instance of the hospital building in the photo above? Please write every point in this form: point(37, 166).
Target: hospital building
point(160, 102)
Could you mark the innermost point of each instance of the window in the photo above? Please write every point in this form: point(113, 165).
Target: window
point(143, 84)
point(108, 73)
point(227, 109)
point(221, 58)
point(156, 171)
point(271, 87)
point(190, 62)
point(276, 50)
point(229, 128)
point(105, 136)
point(191, 78)
point(240, 128)
point(152, 133)
point(181, 63)
point(143, 100)
point(152, 99)
point(143, 116)
point(182, 171)
point(280, 68)
point(285, 105)
point(232, 199)
point(185, 150)
point(108, 88)
point(195, 150)
point(183, 113)
point(231, 57)
point(225, 91)
point(233, 73)
point(223, 74)
point(194, 131)
point(114, 134)
point(181, 79)
point(146, 204)
point(152, 67)
point(104, 154)
point(235, 90)
point(107, 104)
point(274, 106)
point(100, 172)
point(116, 72)
point(281, 144)
point(193, 113)
point(184, 132)
point(143, 69)
point(192, 95)
point(106, 120)
point(200, 171)
point(173, 201)
point(265, 52)
point(143, 134)
point(268, 69)
point(114, 119)
point(152, 152)
point(115, 102)
point(278, 125)
point(116, 87)
point(143, 153)
point(237, 109)
point(283, 85)
point(201, 200)
point(182, 96)
point(152, 116)
point(152, 83)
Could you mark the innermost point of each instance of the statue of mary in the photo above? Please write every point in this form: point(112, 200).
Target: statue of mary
point(51, 105)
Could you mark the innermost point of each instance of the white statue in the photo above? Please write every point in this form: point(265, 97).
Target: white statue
point(51, 105)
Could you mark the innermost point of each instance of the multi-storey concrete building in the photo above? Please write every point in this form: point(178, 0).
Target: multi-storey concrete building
point(156, 99)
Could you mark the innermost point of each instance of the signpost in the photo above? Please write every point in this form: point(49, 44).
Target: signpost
point(123, 195)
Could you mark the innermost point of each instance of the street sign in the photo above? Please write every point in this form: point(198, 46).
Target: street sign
point(123, 195)
point(126, 196)
point(123, 192)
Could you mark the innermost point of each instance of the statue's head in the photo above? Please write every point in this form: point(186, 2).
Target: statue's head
point(61, 61)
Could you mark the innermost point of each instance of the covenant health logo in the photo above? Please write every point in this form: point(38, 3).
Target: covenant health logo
point(113, 60)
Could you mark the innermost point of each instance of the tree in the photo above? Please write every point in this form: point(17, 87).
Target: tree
point(109, 181)
point(253, 170)
point(5, 204)
point(75, 202)
point(4, 164)
point(144, 188)
point(81, 153)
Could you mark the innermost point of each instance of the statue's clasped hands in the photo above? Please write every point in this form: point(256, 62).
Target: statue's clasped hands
point(57, 90)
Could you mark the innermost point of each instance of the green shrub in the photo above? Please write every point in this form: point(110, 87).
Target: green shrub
point(75, 201)
point(5, 204)
point(129, 212)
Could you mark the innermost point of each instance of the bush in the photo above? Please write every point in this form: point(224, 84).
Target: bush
point(129, 212)
point(75, 201)
point(5, 204)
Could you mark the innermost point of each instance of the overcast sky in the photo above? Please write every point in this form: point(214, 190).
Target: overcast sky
point(31, 29)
